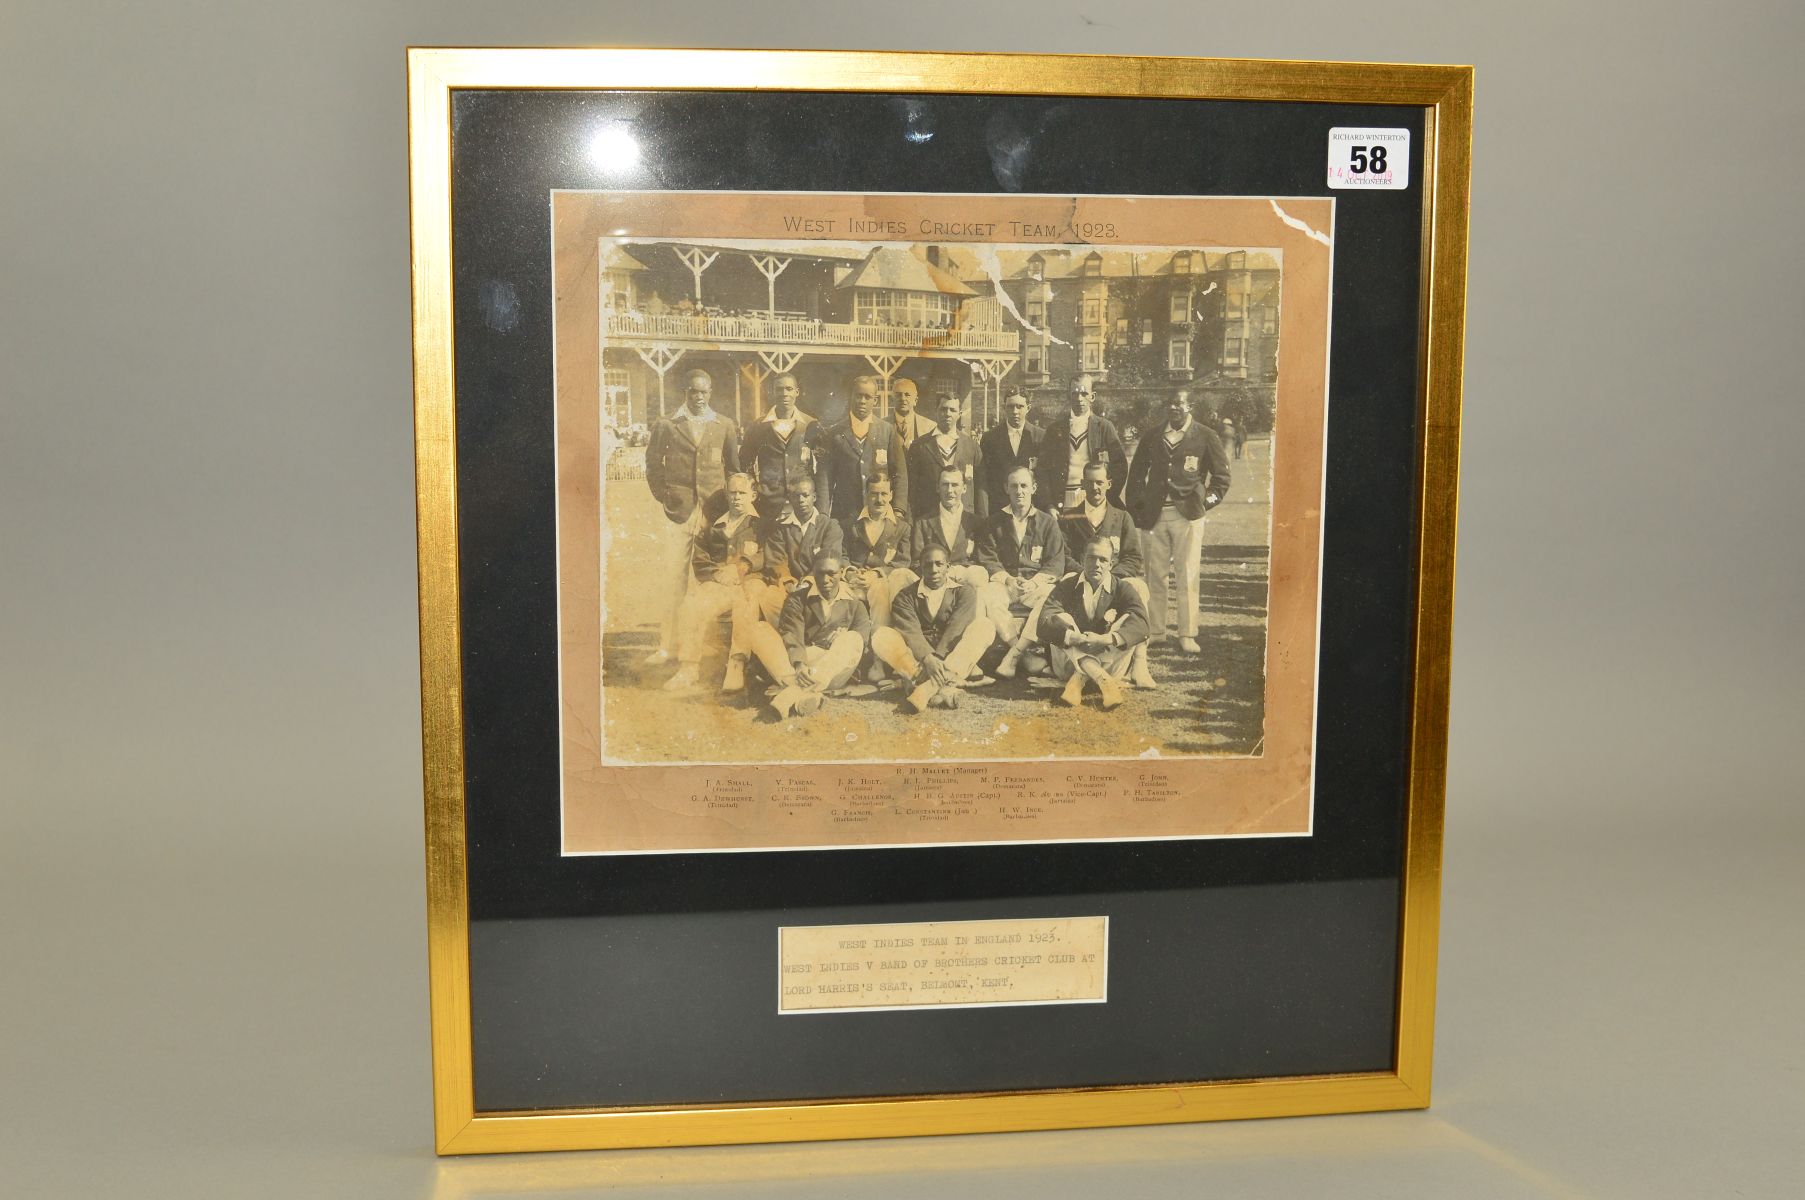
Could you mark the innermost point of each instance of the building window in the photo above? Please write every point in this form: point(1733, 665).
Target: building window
point(1234, 306)
point(1178, 354)
point(1181, 264)
point(1093, 265)
point(1090, 311)
point(1121, 331)
point(1181, 305)
point(1034, 360)
point(1093, 356)
point(1037, 313)
point(1238, 261)
point(1231, 350)
point(1269, 320)
point(1147, 331)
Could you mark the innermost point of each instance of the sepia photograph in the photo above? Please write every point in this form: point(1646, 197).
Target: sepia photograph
point(883, 501)
point(961, 490)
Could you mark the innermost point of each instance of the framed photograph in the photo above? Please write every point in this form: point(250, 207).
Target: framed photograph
point(935, 581)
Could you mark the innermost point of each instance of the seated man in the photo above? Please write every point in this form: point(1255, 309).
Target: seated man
point(1091, 624)
point(953, 529)
point(1023, 552)
point(1096, 518)
point(937, 635)
point(819, 641)
point(724, 564)
point(877, 545)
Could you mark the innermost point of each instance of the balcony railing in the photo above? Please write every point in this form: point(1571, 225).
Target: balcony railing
point(724, 329)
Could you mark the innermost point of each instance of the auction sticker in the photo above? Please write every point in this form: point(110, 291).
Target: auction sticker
point(1369, 158)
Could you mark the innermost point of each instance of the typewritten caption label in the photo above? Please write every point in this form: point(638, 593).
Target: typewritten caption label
point(943, 964)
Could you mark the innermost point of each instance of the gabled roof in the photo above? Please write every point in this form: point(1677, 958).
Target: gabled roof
point(614, 258)
point(898, 270)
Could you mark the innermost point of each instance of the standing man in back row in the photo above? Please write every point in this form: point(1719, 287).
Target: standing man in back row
point(1180, 472)
point(858, 450)
point(780, 449)
point(911, 424)
point(1010, 444)
point(1072, 441)
point(688, 460)
point(946, 449)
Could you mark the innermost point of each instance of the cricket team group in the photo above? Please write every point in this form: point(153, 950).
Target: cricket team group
point(900, 552)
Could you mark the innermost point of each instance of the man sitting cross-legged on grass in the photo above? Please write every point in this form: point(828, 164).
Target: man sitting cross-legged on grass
point(724, 564)
point(877, 546)
point(1091, 624)
point(820, 639)
point(936, 634)
point(1022, 549)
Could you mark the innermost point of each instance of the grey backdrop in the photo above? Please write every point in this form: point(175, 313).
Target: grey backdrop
point(211, 900)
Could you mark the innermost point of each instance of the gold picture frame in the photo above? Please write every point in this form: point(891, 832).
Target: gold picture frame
point(1443, 94)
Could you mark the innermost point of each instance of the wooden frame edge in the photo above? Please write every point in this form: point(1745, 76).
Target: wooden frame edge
point(1445, 91)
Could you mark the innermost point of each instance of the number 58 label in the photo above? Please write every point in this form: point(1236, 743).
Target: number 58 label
point(1369, 158)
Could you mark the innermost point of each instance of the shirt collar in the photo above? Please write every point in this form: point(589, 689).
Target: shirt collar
point(1095, 515)
point(853, 423)
point(708, 414)
point(1091, 593)
point(813, 588)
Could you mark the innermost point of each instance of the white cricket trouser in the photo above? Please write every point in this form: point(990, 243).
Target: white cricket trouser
point(889, 646)
point(831, 665)
point(1174, 545)
point(674, 571)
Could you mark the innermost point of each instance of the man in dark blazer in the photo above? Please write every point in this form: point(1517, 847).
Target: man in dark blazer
point(858, 450)
point(1023, 551)
point(1180, 472)
point(1078, 438)
point(1097, 518)
point(688, 459)
point(936, 635)
point(1091, 624)
point(1013, 443)
point(724, 570)
point(943, 450)
point(877, 548)
point(782, 448)
point(819, 640)
point(953, 528)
